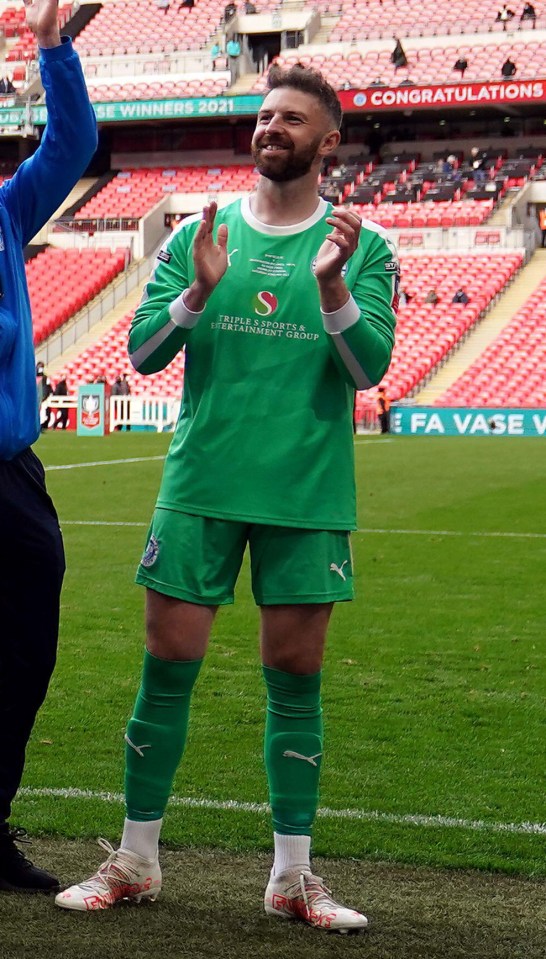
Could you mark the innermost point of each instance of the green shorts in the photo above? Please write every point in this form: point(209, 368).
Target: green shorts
point(198, 559)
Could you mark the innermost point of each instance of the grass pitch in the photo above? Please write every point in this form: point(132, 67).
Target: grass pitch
point(433, 684)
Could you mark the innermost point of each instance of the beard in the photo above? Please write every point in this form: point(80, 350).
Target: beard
point(291, 166)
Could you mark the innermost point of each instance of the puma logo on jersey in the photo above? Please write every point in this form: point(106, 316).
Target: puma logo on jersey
point(233, 252)
point(339, 569)
point(137, 749)
point(308, 759)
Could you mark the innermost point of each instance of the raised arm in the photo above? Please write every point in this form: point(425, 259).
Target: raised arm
point(175, 296)
point(43, 181)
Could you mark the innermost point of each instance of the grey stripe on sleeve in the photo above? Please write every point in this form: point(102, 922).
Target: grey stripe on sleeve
point(352, 365)
point(179, 317)
point(150, 346)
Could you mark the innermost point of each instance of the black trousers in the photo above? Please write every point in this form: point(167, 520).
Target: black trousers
point(32, 567)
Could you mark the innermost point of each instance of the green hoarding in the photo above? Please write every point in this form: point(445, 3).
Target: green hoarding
point(141, 110)
point(463, 421)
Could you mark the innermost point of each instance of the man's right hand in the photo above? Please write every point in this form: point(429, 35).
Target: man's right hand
point(210, 260)
point(42, 19)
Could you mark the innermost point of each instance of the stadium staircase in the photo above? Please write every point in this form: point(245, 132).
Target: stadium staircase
point(477, 342)
point(73, 202)
point(243, 84)
point(89, 339)
point(83, 191)
point(82, 16)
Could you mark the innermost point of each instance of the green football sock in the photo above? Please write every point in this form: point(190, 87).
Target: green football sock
point(156, 735)
point(293, 749)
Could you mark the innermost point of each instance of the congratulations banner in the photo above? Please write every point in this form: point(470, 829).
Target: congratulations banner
point(442, 95)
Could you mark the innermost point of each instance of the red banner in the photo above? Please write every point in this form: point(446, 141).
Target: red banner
point(442, 95)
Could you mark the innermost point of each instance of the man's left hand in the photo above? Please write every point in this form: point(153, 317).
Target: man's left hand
point(42, 19)
point(339, 245)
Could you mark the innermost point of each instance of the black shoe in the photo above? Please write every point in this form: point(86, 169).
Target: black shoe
point(18, 874)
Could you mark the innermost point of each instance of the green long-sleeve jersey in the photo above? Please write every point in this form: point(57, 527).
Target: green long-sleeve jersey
point(265, 431)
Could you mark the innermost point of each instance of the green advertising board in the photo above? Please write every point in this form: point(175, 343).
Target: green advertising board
point(463, 421)
point(141, 110)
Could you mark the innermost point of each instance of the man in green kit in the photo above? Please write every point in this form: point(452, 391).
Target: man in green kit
point(284, 306)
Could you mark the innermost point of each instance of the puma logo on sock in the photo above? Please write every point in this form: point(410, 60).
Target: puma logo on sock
point(137, 749)
point(308, 759)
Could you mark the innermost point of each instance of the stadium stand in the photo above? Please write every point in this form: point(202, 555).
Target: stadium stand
point(425, 333)
point(61, 282)
point(416, 18)
point(406, 192)
point(108, 358)
point(510, 372)
point(426, 65)
point(136, 26)
point(206, 85)
point(390, 193)
point(134, 192)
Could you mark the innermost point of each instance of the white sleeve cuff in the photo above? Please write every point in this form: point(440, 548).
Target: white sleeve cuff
point(342, 319)
point(181, 315)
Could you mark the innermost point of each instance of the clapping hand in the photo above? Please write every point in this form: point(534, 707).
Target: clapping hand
point(210, 258)
point(339, 245)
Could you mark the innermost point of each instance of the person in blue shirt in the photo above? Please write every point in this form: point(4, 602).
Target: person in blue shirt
point(233, 50)
point(32, 557)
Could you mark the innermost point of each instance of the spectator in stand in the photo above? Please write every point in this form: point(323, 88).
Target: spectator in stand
point(44, 390)
point(461, 64)
point(504, 15)
point(383, 408)
point(61, 419)
point(408, 82)
point(508, 69)
point(432, 297)
point(215, 53)
point(478, 160)
point(249, 7)
point(398, 55)
point(163, 5)
point(529, 13)
point(233, 50)
point(378, 82)
point(6, 86)
point(461, 296)
point(230, 10)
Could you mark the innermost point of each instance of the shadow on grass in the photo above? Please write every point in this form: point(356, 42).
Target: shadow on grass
point(211, 906)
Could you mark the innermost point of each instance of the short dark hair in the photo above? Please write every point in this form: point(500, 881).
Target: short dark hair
point(308, 80)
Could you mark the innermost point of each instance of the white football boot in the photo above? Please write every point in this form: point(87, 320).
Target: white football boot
point(300, 895)
point(124, 875)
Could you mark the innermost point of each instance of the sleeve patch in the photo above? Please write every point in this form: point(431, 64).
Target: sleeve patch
point(164, 256)
point(391, 266)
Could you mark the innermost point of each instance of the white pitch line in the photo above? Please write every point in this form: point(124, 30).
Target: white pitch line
point(77, 466)
point(385, 532)
point(451, 532)
point(92, 522)
point(232, 805)
point(371, 442)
